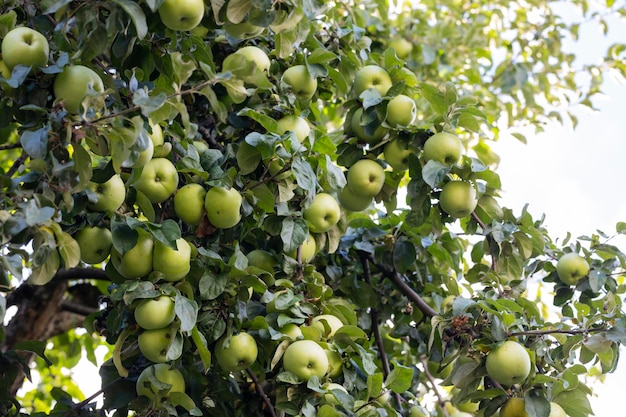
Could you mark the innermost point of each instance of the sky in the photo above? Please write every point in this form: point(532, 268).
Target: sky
point(575, 177)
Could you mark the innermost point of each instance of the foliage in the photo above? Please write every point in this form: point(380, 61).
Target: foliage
point(423, 297)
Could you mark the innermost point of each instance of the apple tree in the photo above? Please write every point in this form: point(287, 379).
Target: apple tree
point(291, 209)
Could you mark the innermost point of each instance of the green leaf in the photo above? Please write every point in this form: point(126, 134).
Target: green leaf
point(574, 402)
point(35, 142)
point(305, 177)
point(374, 384)
point(38, 347)
point(236, 10)
point(399, 379)
point(404, 255)
point(212, 285)
point(434, 173)
point(293, 233)
point(136, 15)
point(435, 97)
point(186, 311)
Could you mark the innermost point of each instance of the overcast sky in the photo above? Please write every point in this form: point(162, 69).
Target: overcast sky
point(576, 178)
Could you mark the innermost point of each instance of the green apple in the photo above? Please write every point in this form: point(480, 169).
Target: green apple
point(323, 213)
point(304, 359)
point(352, 201)
point(396, 156)
point(237, 352)
point(366, 178)
point(189, 203)
point(136, 262)
point(556, 410)
point(292, 331)
point(174, 264)
point(329, 397)
point(401, 111)
point(223, 207)
point(371, 76)
point(458, 199)
point(25, 46)
point(514, 407)
point(308, 249)
point(5, 72)
point(459, 413)
point(141, 158)
point(94, 243)
point(299, 81)
point(158, 180)
point(243, 30)
point(161, 148)
point(241, 60)
point(155, 313)
point(443, 147)
point(327, 324)
point(154, 344)
point(335, 364)
point(296, 124)
point(417, 411)
point(72, 85)
point(571, 267)
point(109, 195)
point(262, 259)
point(402, 47)
point(171, 377)
point(364, 134)
point(181, 14)
point(509, 363)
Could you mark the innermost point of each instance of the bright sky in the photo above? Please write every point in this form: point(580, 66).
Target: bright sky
point(575, 177)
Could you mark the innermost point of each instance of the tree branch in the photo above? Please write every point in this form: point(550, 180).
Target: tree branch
point(557, 331)
point(398, 280)
point(367, 275)
point(431, 379)
point(262, 394)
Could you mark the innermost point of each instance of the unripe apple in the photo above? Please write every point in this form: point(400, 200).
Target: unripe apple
point(322, 214)
point(155, 313)
point(396, 156)
point(181, 14)
point(5, 72)
point(237, 352)
point(402, 47)
point(366, 178)
point(401, 111)
point(25, 46)
point(109, 195)
point(298, 80)
point(308, 249)
point(243, 30)
point(556, 410)
point(371, 76)
point(136, 262)
point(154, 344)
point(158, 180)
point(223, 207)
point(72, 85)
point(262, 259)
point(458, 199)
point(509, 363)
point(240, 62)
point(174, 264)
point(367, 136)
point(292, 331)
point(353, 202)
point(189, 203)
point(571, 267)
point(443, 147)
point(305, 358)
point(94, 243)
point(514, 407)
point(296, 124)
point(327, 324)
point(164, 374)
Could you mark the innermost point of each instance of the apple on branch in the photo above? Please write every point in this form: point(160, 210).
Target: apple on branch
point(296, 124)
point(304, 359)
point(299, 81)
point(109, 195)
point(182, 15)
point(94, 243)
point(158, 180)
point(571, 267)
point(458, 199)
point(509, 363)
point(73, 84)
point(189, 203)
point(155, 313)
point(323, 213)
point(173, 264)
point(366, 178)
point(372, 76)
point(223, 207)
point(443, 147)
point(237, 352)
point(401, 111)
point(170, 380)
point(396, 156)
point(25, 46)
point(154, 344)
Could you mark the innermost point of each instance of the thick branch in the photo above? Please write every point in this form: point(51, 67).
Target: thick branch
point(398, 280)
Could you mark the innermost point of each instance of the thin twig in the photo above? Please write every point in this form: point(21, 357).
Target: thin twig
point(431, 379)
point(557, 331)
point(261, 392)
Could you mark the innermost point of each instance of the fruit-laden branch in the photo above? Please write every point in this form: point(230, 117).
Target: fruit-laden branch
point(398, 280)
point(261, 392)
point(558, 331)
point(367, 275)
